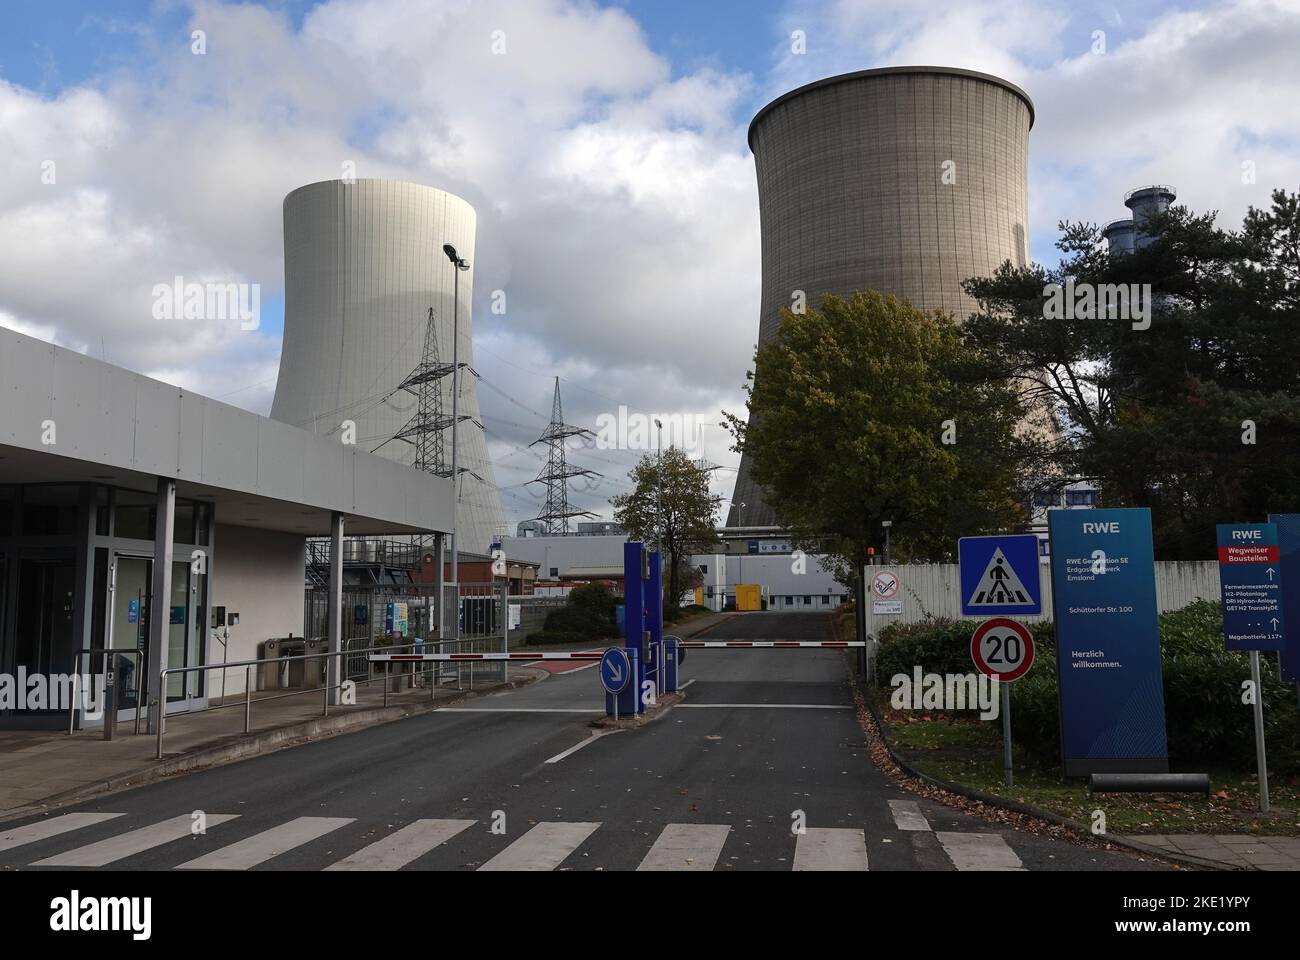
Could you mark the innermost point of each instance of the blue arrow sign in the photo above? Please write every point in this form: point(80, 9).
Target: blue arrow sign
point(999, 576)
point(1250, 578)
point(615, 670)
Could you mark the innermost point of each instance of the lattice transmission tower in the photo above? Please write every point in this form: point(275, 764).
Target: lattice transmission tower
point(557, 472)
point(426, 428)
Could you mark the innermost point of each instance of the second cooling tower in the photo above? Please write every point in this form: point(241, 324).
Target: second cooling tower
point(363, 263)
point(906, 180)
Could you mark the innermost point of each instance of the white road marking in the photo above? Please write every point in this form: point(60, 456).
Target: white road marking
point(979, 851)
point(128, 844)
point(683, 686)
point(44, 829)
point(908, 815)
point(766, 706)
point(830, 848)
point(261, 847)
point(687, 846)
point(542, 848)
point(583, 743)
point(398, 849)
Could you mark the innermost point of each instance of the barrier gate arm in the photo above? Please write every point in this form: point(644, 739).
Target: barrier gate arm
point(691, 644)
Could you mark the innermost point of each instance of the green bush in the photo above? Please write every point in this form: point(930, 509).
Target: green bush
point(939, 646)
point(1205, 719)
point(588, 614)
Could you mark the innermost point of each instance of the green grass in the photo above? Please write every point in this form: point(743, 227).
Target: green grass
point(969, 753)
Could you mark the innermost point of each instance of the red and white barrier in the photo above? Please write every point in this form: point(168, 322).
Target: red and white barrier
point(596, 655)
point(732, 644)
point(449, 657)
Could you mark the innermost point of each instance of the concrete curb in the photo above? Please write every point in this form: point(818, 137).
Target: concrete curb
point(1037, 813)
point(245, 747)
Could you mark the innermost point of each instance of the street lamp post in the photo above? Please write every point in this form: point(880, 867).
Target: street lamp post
point(459, 264)
point(659, 482)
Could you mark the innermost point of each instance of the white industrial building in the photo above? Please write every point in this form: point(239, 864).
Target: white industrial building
point(788, 581)
point(122, 498)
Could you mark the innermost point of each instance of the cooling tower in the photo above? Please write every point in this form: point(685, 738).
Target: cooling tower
point(906, 180)
point(363, 263)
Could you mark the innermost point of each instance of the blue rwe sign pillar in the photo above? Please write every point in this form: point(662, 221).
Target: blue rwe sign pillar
point(654, 603)
point(1288, 541)
point(1107, 642)
point(635, 624)
point(1250, 579)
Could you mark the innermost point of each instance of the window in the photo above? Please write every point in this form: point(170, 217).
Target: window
point(1047, 498)
point(50, 511)
point(826, 600)
point(555, 571)
point(789, 601)
point(183, 525)
point(133, 515)
point(807, 599)
point(1080, 498)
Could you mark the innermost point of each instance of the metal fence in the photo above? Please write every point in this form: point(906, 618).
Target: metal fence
point(364, 608)
point(934, 590)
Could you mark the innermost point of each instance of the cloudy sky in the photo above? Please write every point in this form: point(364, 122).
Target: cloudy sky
point(602, 144)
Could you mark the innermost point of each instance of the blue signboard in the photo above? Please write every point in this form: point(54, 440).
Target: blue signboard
point(615, 670)
point(1250, 579)
point(1288, 539)
point(132, 611)
point(1107, 642)
point(999, 576)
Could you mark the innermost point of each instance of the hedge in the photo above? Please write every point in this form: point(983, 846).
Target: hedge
point(587, 615)
point(1205, 719)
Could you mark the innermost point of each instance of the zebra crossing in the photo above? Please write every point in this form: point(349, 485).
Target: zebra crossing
point(544, 846)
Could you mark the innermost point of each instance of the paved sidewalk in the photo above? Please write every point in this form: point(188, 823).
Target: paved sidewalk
point(1239, 851)
point(42, 767)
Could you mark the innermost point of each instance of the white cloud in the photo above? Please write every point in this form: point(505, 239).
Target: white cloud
point(616, 202)
point(1181, 95)
point(616, 197)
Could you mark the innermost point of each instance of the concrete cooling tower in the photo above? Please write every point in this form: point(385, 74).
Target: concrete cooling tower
point(363, 263)
point(906, 180)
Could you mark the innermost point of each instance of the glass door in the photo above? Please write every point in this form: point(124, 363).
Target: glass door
point(187, 618)
point(132, 583)
point(132, 577)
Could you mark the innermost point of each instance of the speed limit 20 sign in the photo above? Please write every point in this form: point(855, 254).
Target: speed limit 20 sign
point(1002, 647)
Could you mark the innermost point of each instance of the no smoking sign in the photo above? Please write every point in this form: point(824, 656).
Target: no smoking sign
point(884, 585)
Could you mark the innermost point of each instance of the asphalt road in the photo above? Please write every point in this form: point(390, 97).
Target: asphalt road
point(765, 740)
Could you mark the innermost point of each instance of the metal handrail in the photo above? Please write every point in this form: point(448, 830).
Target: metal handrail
point(325, 688)
point(109, 652)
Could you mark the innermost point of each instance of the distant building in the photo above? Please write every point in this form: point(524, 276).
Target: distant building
point(1125, 236)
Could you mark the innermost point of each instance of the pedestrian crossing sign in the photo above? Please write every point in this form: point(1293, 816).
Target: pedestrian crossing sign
point(999, 575)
